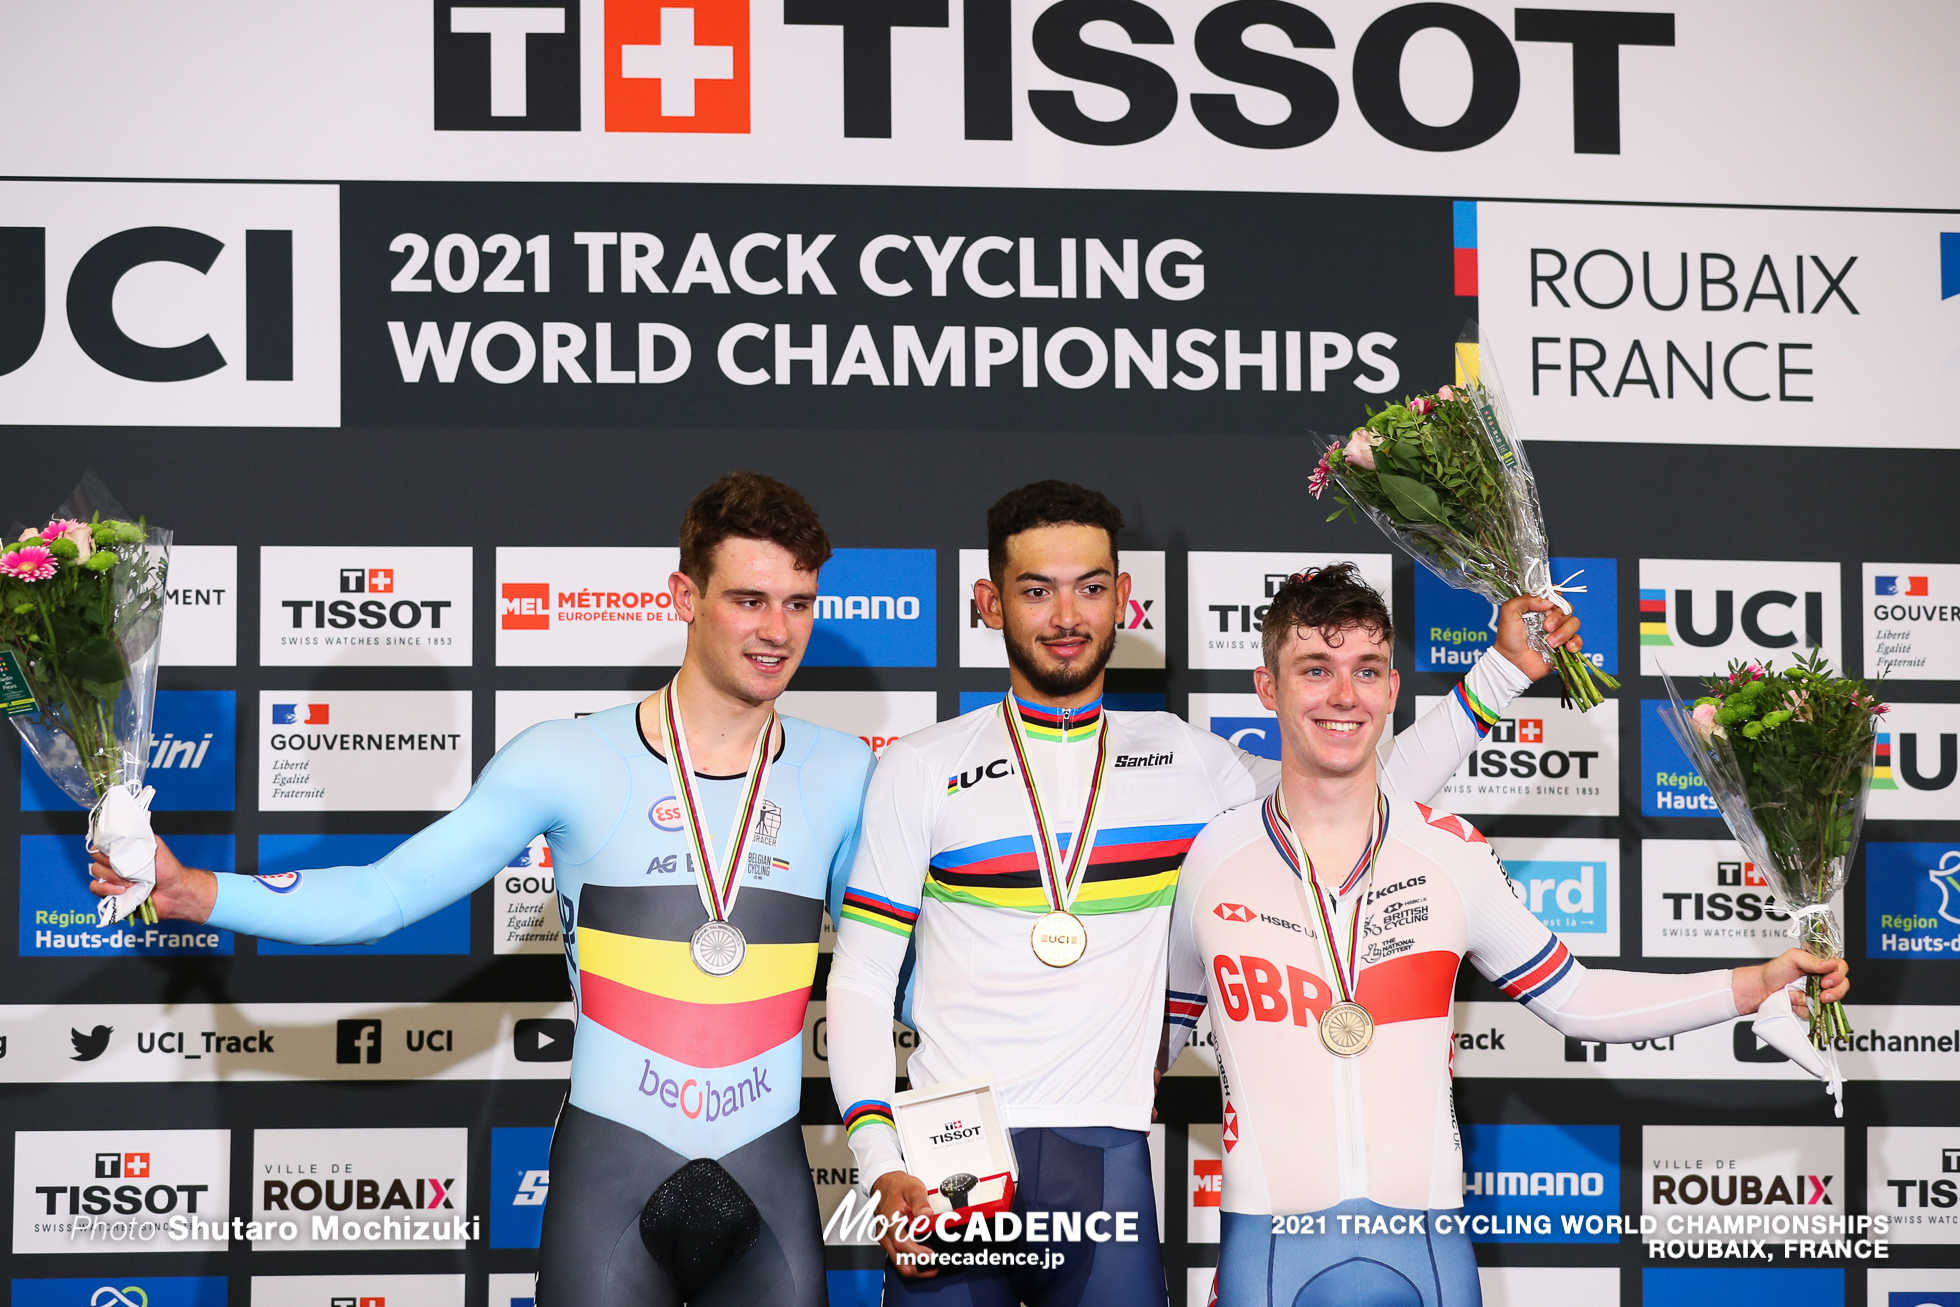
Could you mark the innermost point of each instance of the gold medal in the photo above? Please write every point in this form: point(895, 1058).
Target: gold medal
point(1059, 938)
point(1347, 1030)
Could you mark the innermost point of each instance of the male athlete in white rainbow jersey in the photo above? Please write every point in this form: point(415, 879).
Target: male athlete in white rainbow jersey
point(1327, 922)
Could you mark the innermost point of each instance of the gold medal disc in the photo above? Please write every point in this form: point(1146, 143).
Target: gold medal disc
point(1347, 1030)
point(1059, 939)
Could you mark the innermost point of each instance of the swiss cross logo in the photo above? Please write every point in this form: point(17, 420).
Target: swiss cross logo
point(1233, 912)
point(1207, 1182)
point(1231, 1132)
point(527, 607)
point(1531, 730)
point(367, 580)
point(671, 68)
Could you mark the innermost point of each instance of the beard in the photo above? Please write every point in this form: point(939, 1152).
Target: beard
point(1056, 682)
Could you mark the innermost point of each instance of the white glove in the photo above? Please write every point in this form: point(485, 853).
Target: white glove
point(1778, 1026)
point(121, 828)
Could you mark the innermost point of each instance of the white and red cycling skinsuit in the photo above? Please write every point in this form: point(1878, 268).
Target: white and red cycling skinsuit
point(1306, 1131)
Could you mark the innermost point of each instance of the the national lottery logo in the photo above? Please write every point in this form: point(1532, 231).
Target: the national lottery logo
point(1698, 615)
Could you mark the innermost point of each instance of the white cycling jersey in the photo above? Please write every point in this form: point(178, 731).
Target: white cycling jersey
point(948, 845)
point(1304, 1129)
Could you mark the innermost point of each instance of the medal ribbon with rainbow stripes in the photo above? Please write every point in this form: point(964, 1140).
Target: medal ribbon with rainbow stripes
point(1347, 1028)
point(1059, 938)
point(717, 946)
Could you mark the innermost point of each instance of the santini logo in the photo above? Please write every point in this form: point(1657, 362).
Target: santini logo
point(1145, 760)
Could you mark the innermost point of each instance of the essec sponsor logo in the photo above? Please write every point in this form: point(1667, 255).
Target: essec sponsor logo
point(193, 762)
point(520, 1181)
point(58, 914)
point(446, 931)
point(875, 608)
point(1542, 1183)
point(1915, 762)
point(243, 279)
point(1454, 627)
point(1912, 900)
point(1699, 615)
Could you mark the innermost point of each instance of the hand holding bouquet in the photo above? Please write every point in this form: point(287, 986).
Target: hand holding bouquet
point(1444, 478)
point(81, 607)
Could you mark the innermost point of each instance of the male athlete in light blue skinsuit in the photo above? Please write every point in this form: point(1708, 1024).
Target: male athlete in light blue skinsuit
point(672, 1063)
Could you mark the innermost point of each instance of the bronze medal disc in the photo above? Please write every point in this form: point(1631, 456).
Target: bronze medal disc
point(1059, 939)
point(1347, 1030)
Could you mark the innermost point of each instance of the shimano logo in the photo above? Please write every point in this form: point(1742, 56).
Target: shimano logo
point(1145, 760)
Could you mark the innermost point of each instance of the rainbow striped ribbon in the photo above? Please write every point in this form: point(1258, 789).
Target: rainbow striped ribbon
point(1346, 974)
point(718, 885)
point(1060, 887)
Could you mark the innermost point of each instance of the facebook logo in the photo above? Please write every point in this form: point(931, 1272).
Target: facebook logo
point(875, 609)
point(193, 761)
point(357, 1040)
point(506, 66)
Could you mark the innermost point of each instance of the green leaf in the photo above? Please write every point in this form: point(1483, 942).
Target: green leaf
point(96, 659)
point(1413, 501)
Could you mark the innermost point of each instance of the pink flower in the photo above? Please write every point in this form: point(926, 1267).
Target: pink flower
point(1321, 475)
point(1422, 407)
point(78, 532)
point(30, 534)
point(1756, 672)
point(1705, 720)
point(1361, 450)
point(33, 563)
point(1447, 392)
point(1879, 710)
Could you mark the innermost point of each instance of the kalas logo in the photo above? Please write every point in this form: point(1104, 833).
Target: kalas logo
point(300, 714)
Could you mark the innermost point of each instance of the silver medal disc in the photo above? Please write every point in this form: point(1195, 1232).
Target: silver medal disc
point(717, 948)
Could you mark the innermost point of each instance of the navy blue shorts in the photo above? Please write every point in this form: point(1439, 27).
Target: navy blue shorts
point(1257, 1268)
point(1082, 1170)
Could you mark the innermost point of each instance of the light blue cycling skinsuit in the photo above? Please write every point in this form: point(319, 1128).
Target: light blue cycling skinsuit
point(669, 1063)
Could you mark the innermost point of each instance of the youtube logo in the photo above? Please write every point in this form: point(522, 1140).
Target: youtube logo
point(542, 1039)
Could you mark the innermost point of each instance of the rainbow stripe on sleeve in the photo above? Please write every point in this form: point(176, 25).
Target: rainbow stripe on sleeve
point(869, 1112)
point(1473, 708)
point(871, 910)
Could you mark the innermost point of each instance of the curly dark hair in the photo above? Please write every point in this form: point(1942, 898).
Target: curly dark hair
point(1046, 503)
point(1332, 600)
point(753, 507)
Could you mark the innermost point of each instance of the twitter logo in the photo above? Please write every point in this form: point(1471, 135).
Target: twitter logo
point(92, 1045)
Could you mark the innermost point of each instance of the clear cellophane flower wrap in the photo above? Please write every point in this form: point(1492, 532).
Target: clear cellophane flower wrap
point(1795, 802)
point(87, 637)
point(1447, 480)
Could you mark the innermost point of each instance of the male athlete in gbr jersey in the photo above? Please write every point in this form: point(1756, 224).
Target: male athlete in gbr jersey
point(1327, 922)
point(678, 1170)
point(1069, 1039)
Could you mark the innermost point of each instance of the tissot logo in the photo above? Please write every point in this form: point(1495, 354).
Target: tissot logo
point(1547, 759)
point(506, 66)
point(65, 1182)
point(380, 607)
point(1230, 592)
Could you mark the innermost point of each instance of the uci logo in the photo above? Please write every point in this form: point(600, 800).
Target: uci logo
point(666, 814)
point(89, 302)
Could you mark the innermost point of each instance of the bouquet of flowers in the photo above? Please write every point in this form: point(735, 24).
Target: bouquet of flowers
point(81, 607)
point(1788, 757)
point(1444, 476)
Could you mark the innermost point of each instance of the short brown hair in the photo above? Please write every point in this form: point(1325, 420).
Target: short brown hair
point(1331, 600)
point(1047, 503)
point(753, 507)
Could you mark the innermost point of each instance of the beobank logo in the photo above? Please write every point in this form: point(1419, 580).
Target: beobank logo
point(683, 66)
